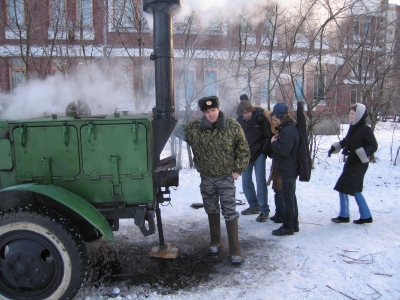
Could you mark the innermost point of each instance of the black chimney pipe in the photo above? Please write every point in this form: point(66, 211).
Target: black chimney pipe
point(163, 56)
point(164, 112)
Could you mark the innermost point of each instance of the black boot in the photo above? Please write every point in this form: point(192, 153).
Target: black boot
point(233, 237)
point(340, 220)
point(363, 221)
point(282, 231)
point(214, 220)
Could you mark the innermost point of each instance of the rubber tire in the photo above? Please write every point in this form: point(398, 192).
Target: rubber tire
point(46, 228)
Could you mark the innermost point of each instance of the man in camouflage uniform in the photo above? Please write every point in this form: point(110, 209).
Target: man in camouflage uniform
point(221, 154)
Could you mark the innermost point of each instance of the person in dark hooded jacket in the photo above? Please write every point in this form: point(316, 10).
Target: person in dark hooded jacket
point(258, 131)
point(358, 146)
point(285, 146)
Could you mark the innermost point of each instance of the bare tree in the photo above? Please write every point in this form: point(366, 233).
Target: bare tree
point(308, 69)
point(370, 57)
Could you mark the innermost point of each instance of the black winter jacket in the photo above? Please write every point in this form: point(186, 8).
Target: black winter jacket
point(285, 151)
point(258, 133)
point(359, 136)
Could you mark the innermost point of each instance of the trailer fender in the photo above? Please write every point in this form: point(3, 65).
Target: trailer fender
point(72, 201)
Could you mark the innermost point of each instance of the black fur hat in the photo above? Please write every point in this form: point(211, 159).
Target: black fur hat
point(208, 102)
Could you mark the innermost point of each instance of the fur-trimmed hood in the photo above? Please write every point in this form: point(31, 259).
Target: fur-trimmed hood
point(361, 113)
point(267, 114)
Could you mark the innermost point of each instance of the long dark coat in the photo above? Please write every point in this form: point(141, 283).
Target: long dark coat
point(359, 135)
point(285, 151)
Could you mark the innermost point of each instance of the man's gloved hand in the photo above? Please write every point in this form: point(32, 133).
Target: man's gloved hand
point(331, 151)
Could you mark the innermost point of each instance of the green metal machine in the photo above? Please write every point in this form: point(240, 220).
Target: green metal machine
point(66, 180)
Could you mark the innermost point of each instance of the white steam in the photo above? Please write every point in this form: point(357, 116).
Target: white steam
point(103, 92)
point(210, 11)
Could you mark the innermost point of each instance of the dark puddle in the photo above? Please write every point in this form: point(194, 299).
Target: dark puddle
point(112, 265)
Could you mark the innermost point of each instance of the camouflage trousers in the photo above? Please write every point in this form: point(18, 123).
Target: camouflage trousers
point(219, 196)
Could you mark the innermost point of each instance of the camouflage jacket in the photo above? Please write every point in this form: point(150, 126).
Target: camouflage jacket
point(218, 149)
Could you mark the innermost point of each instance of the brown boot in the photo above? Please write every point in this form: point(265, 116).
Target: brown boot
point(214, 220)
point(232, 229)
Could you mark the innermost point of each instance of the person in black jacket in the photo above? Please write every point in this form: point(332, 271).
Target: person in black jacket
point(257, 130)
point(284, 147)
point(358, 146)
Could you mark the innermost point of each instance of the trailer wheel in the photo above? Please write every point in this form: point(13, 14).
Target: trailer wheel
point(41, 255)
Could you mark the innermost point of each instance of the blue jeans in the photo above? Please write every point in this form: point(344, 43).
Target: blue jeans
point(362, 206)
point(258, 200)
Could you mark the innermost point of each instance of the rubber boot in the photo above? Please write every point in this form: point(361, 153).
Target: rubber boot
point(214, 220)
point(232, 229)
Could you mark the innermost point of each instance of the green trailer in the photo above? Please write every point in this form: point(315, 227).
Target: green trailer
point(66, 180)
point(79, 175)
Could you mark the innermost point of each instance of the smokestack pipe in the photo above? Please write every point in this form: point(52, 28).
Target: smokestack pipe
point(164, 112)
point(163, 55)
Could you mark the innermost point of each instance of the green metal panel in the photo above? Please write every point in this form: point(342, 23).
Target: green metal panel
point(55, 143)
point(126, 142)
point(110, 162)
point(72, 201)
point(133, 190)
point(5, 155)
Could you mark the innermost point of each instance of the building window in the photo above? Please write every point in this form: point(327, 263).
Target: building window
point(210, 83)
point(247, 35)
point(319, 87)
point(299, 88)
point(210, 78)
point(85, 13)
point(353, 96)
point(367, 27)
point(58, 13)
point(302, 42)
point(356, 27)
point(364, 65)
point(16, 13)
point(216, 27)
point(188, 87)
point(124, 13)
point(265, 93)
point(17, 72)
point(268, 34)
point(186, 25)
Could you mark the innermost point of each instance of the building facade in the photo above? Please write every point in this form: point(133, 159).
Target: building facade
point(273, 58)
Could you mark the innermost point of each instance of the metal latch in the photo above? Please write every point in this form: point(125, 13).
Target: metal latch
point(90, 127)
point(47, 170)
point(22, 135)
point(134, 132)
point(116, 185)
point(65, 133)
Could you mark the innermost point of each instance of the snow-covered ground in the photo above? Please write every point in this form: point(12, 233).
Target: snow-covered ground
point(323, 261)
